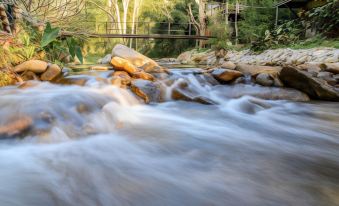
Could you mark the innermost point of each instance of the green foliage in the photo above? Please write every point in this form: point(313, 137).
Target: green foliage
point(325, 18)
point(285, 34)
point(256, 21)
point(177, 14)
point(221, 32)
point(56, 47)
point(50, 35)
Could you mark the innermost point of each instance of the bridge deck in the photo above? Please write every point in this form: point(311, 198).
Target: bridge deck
point(140, 36)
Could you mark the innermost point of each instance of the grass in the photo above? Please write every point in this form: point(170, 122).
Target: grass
point(316, 42)
point(5, 78)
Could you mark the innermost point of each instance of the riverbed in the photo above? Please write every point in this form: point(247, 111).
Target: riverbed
point(99, 145)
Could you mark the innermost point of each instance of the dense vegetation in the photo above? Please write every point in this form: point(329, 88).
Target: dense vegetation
point(256, 28)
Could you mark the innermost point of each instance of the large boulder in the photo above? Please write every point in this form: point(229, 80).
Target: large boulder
point(316, 88)
point(132, 56)
point(106, 59)
point(51, 73)
point(185, 57)
point(254, 70)
point(228, 65)
point(29, 75)
point(331, 67)
point(124, 77)
point(35, 66)
point(146, 90)
point(264, 79)
point(226, 75)
point(123, 65)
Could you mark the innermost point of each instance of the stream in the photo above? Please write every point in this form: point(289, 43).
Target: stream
point(98, 145)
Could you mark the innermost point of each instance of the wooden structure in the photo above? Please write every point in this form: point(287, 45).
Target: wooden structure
point(143, 30)
point(297, 4)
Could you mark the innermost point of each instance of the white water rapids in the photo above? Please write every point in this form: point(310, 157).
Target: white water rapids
point(97, 145)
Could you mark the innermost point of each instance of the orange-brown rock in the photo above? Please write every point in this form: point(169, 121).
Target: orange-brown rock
point(132, 56)
point(123, 65)
point(226, 75)
point(147, 90)
point(28, 84)
point(16, 127)
point(100, 68)
point(35, 66)
point(124, 76)
point(73, 81)
point(29, 75)
point(116, 81)
point(254, 70)
point(51, 73)
point(143, 75)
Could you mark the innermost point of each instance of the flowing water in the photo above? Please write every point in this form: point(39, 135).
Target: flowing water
point(97, 145)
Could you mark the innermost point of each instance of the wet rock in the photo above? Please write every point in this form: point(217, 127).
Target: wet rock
point(106, 59)
point(132, 56)
point(268, 93)
point(240, 80)
point(80, 81)
point(154, 69)
point(185, 57)
point(316, 88)
point(256, 69)
point(328, 77)
point(83, 108)
point(264, 79)
point(147, 90)
point(228, 65)
point(336, 77)
point(28, 84)
point(311, 68)
point(116, 81)
point(16, 127)
point(51, 73)
point(101, 68)
point(190, 96)
point(331, 67)
point(124, 77)
point(101, 80)
point(143, 75)
point(226, 75)
point(35, 66)
point(123, 65)
point(207, 78)
point(29, 75)
point(160, 76)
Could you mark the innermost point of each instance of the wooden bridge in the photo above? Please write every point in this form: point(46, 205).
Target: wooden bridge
point(141, 30)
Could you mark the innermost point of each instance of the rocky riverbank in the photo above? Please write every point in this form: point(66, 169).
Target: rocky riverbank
point(268, 57)
point(312, 71)
point(152, 82)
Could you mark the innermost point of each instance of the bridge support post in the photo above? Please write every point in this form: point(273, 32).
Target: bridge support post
point(276, 16)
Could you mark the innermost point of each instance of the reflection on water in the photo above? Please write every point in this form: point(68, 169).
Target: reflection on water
point(98, 146)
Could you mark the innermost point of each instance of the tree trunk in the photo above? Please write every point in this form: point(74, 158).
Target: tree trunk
point(4, 19)
point(202, 21)
point(125, 4)
point(137, 4)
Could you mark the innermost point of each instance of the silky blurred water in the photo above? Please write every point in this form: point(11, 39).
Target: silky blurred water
point(97, 145)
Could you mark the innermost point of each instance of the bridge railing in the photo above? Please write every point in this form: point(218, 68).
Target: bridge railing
point(145, 28)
